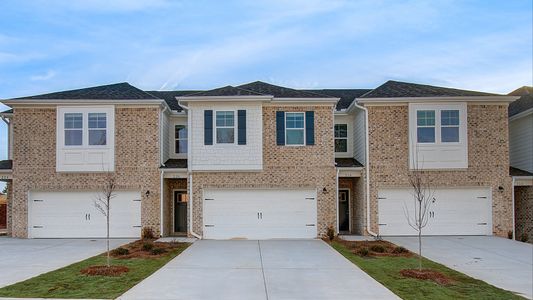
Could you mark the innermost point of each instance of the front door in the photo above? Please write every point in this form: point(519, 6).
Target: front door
point(180, 211)
point(344, 210)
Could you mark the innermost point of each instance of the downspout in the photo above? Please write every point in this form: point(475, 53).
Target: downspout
point(161, 202)
point(514, 225)
point(9, 136)
point(189, 171)
point(367, 170)
point(337, 202)
point(161, 163)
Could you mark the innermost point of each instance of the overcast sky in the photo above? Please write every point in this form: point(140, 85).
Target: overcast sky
point(52, 45)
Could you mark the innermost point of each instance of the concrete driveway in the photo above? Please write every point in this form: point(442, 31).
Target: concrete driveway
point(501, 262)
point(21, 259)
point(271, 269)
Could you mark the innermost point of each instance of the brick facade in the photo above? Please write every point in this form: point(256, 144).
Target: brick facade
point(488, 157)
point(34, 161)
point(523, 198)
point(284, 167)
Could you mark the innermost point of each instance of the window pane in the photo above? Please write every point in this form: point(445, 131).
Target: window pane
point(225, 135)
point(73, 120)
point(180, 132)
point(426, 134)
point(449, 117)
point(97, 137)
point(341, 130)
point(341, 145)
point(295, 137)
point(181, 146)
point(224, 118)
point(97, 120)
point(73, 137)
point(450, 134)
point(295, 120)
point(425, 117)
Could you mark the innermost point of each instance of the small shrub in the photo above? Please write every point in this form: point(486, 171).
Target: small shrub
point(120, 251)
point(510, 234)
point(330, 233)
point(378, 248)
point(147, 246)
point(363, 252)
point(524, 238)
point(399, 250)
point(157, 251)
point(148, 233)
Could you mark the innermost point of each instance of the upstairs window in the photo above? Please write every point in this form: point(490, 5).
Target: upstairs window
point(180, 137)
point(425, 122)
point(97, 129)
point(73, 129)
point(341, 138)
point(225, 127)
point(449, 126)
point(294, 128)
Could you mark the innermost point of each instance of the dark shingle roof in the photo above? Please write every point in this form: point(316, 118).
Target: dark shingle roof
point(347, 96)
point(6, 164)
point(393, 89)
point(523, 103)
point(9, 111)
point(347, 163)
point(226, 91)
point(279, 91)
point(170, 97)
point(519, 172)
point(117, 91)
point(175, 164)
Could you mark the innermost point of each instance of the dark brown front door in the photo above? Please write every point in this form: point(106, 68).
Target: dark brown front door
point(344, 210)
point(180, 211)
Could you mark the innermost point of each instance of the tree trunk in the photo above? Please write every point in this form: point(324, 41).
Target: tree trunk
point(107, 238)
point(420, 249)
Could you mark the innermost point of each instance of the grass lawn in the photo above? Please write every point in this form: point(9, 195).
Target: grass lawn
point(385, 269)
point(68, 282)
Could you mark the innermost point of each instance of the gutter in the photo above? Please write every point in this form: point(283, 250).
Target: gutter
point(367, 169)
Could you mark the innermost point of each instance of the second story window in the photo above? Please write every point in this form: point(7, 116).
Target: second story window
point(180, 136)
point(225, 127)
point(341, 138)
point(425, 122)
point(97, 129)
point(294, 128)
point(73, 129)
point(449, 131)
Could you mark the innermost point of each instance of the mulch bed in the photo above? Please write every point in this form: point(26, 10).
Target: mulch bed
point(136, 250)
point(427, 274)
point(368, 248)
point(105, 270)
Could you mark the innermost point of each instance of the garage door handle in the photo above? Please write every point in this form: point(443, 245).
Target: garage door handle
point(137, 226)
point(382, 224)
point(309, 224)
point(481, 223)
point(209, 225)
point(38, 226)
point(310, 198)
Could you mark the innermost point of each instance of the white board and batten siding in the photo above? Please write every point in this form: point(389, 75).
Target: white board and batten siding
point(223, 157)
point(74, 215)
point(259, 214)
point(456, 211)
point(521, 142)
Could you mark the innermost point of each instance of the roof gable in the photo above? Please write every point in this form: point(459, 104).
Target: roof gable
point(397, 89)
point(279, 91)
point(347, 96)
point(170, 97)
point(117, 91)
point(525, 102)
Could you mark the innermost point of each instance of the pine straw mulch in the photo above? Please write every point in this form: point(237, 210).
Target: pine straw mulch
point(105, 270)
point(427, 274)
point(136, 250)
point(373, 248)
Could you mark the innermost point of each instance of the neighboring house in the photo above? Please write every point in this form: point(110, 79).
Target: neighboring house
point(521, 159)
point(257, 161)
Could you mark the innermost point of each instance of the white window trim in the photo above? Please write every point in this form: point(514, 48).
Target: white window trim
point(343, 138)
point(234, 126)
point(438, 145)
point(434, 126)
point(303, 128)
point(85, 149)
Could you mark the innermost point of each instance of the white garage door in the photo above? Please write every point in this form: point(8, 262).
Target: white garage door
point(74, 215)
point(464, 211)
point(259, 214)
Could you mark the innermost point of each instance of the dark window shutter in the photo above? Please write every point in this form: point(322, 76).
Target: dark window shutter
point(280, 128)
point(241, 127)
point(309, 127)
point(208, 127)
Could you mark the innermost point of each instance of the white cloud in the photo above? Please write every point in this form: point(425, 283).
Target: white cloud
point(48, 75)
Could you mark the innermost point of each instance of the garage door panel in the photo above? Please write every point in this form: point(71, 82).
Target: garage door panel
point(259, 214)
point(461, 211)
point(74, 215)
